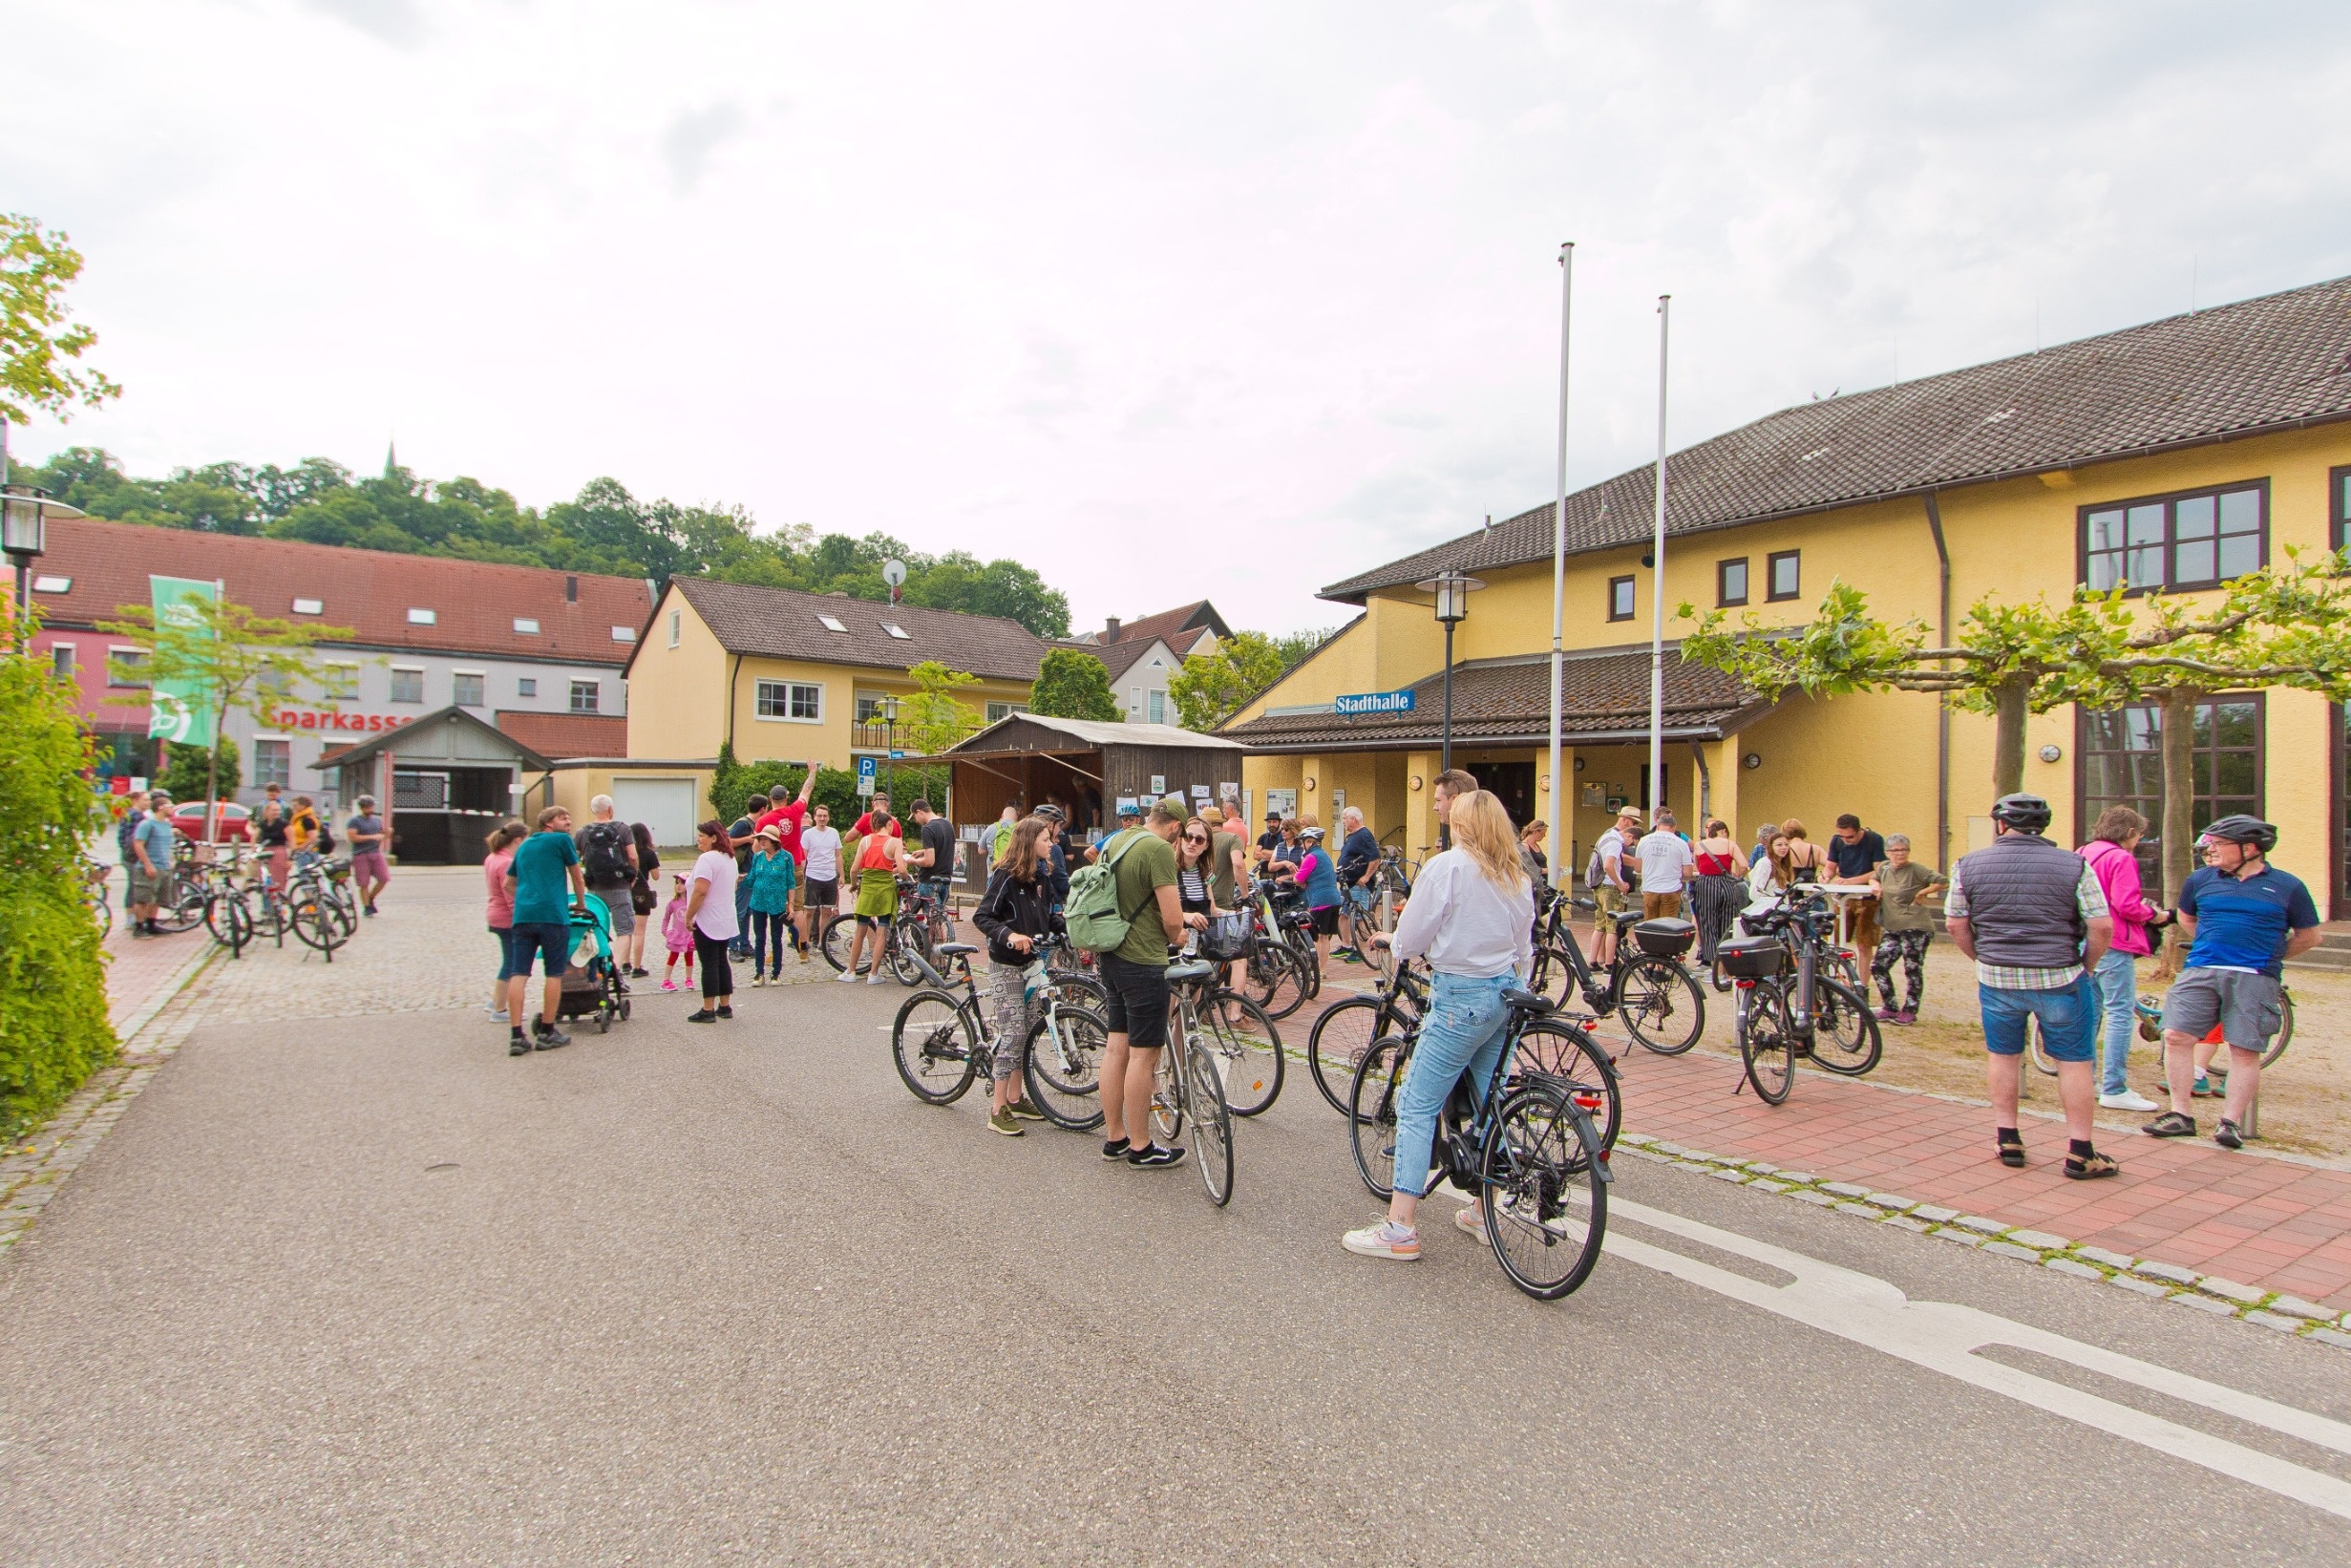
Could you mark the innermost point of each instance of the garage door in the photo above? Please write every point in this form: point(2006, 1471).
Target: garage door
point(666, 806)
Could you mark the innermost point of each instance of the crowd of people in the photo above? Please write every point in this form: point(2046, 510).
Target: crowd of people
point(286, 832)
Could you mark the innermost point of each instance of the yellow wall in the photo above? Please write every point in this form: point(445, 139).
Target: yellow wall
point(573, 788)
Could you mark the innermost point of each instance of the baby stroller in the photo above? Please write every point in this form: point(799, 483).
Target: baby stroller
point(593, 988)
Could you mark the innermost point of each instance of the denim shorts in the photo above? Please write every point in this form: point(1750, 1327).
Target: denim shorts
point(2068, 1020)
point(549, 939)
point(504, 936)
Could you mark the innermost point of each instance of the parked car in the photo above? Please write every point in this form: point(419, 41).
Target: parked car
point(235, 823)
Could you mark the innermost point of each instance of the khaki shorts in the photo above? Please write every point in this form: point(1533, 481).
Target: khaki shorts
point(1606, 900)
point(1661, 906)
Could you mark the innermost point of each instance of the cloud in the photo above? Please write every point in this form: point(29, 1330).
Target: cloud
point(399, 23)
point(694, 135)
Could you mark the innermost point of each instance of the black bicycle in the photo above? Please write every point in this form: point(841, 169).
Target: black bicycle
point(942, 1040)
point(1787, 1007)
point(1525, 1145)
point(909, 945)
point(1645, 984)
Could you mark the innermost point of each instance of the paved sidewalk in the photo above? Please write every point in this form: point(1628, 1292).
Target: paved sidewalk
point(144, 971)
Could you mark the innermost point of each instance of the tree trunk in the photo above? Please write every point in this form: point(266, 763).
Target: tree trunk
point(2009, 699)
point(212, 783)
point(2179, 807)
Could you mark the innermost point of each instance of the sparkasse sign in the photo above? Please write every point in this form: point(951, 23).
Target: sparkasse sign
point(1374, 702)
point(336, 718)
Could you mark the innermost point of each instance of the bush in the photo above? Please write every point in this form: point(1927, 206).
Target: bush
point(53, 1028)
point(183, 772)
point(836, 788)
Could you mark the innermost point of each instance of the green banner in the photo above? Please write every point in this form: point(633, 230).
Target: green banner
point(179, 712)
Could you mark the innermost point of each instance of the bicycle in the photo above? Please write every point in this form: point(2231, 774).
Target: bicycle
point(908, 944)
point(1238, 1036)
point(1525, 1144)
point(1186, 1092)
point(941, 1041)
point(1645, 983)
point(95, 876)
point(2149, 1011)
point(1779, 1017)
point(1275, 974)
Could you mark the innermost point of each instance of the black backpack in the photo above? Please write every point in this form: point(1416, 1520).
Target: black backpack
point(603, 857)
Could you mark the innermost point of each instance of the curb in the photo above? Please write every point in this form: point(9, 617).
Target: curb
point(2148, 1277)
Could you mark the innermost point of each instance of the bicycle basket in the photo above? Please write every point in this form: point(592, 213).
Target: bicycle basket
point(1664, 938)
point(1752, 957)
point(1227, 938)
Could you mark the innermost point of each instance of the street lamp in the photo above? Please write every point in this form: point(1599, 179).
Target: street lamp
point(1452, 591)
point(25, 511)
point(889, 742)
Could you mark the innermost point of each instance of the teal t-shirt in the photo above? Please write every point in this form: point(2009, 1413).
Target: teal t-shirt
point(542, 895)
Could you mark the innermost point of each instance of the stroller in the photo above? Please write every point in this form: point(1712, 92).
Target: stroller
point(594, 989)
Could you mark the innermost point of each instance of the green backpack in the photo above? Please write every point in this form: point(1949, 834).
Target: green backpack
point(1091, 911)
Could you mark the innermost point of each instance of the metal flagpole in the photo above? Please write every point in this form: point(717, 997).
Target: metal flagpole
point(1559, 581)
point(1657, 575)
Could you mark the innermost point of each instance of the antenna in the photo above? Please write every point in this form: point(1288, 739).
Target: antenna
point(2192, 260)
point(894, 573)
point(1490, 523)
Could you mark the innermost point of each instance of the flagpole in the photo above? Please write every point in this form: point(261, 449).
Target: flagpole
point(1657, 577)
point(1558, 580)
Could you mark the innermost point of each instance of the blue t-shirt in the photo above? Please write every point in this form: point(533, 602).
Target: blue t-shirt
point(1356, 855)
point(542, 889)
point(2243, 924)
point(156, 832)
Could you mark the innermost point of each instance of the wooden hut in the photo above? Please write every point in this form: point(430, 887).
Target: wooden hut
point(1087, 767)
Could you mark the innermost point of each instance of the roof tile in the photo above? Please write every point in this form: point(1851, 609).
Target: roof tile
point(782, 624)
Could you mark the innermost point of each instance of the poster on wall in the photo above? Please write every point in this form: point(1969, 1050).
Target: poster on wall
point(1158, 783)
point(1199, 792)
point(1283, 802)
point(1594, 795)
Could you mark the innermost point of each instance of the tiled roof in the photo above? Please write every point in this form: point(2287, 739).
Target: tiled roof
point(2237, 370)
point(1121, 656)
point(474, 603)
point(1173, 624)
point(782, 624)
point(1603, 697)
point(566, 734)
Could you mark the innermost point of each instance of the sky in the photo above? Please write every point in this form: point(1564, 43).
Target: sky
point(1228, 301)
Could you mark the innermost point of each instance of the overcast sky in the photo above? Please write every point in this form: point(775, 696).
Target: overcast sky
point(1219, 300)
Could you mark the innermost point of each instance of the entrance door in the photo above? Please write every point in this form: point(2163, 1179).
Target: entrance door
point(666, 806)
point(1512, 783)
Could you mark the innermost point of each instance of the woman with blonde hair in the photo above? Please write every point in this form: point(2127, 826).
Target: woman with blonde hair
point(1468, 918)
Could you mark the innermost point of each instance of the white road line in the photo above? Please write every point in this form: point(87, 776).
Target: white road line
point(1944, 1337)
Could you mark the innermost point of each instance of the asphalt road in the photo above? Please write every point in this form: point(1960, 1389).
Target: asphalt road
point(369, 1291)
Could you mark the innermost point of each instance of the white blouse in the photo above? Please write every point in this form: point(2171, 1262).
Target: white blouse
point(1464, 924)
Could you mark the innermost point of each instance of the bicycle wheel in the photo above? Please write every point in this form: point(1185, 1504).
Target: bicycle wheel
point(838, 933)
point(184, 909)
point(906, 953)
point(1274, 982)
point(1211, 1123)
point(1076, 990)
point(1371, 1110)
point(1167, 1101)
point(221, 923)
point(1543, 1194)
point(1768, 1053)
point(1660, 1005)
point(1338, 1041)
point(1242, 1050)
point(2035, 1050)
point(936, 1049)
point(1561, 1050)
point(315, 925)
point(2285, 1028)
point(1845, 1037)
point(1061, 1064)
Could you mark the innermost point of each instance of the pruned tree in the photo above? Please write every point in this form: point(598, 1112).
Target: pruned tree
point(1211, 687)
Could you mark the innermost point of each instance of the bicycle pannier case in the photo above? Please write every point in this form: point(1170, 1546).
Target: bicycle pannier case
point(1752, 957)
point(1227, 938)
point(1664, 938)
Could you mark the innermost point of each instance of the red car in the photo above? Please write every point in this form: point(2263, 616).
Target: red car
point(235, 824)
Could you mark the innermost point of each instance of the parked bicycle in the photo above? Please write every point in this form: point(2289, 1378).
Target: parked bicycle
point(1188, 1095)
point(944, 1038)
point(908, 947)
point(1787, 1008)
point(1645, 984)
point(2148, 1010)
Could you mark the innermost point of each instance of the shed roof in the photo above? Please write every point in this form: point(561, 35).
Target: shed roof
point(391, 739)
point(786, 623)
point(1090, 735)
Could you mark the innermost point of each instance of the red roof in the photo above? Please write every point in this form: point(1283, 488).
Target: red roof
point(474, 603)
point(566, 734)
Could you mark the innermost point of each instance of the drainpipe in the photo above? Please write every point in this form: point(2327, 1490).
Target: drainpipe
point(1942, 700)
point(1705, 789)
point(732, 676)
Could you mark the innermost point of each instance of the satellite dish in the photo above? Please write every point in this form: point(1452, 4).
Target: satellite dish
point(894, 572)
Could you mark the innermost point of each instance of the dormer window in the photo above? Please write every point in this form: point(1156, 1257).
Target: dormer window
point(525, 627)
point(53, 585)
point(895, 630)
point(624, 634)
point(832, 622)
point(310, 606)
point(423, 618)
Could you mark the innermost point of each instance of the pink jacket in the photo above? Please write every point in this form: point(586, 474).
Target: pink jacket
point(2117, 871)
point(674, 929)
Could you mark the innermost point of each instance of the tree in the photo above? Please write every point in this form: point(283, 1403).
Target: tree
point(35, 339)
point(224, 651)
point(1295, 645)
point(1072, 683)
point(1211, 687)
point(934, 718)
point(193, 773)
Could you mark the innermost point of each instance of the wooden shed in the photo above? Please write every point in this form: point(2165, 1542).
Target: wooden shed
point(1030, 758)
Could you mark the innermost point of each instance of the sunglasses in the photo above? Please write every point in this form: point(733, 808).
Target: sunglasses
point(1196, 838)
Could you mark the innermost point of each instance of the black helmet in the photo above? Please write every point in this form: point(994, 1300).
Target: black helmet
point(2024, 813)
point(2242, 830)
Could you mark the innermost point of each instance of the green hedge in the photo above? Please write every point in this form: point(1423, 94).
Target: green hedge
point(53, 1028)
point(734, 782)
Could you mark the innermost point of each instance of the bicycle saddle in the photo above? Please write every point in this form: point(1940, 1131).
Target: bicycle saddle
point(1178, 973)
point(1526, 1000)
point(1626, 916)
point(955, 950)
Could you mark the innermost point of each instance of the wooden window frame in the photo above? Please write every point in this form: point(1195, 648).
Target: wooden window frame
point(2338, 505)
point(1721, 582)
point(1631, 598)
point(2170, 500)
point(2084, 818)
point(1771, 577)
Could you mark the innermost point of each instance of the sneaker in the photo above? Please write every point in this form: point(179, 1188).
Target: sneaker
point(668, 985)
point(2128, 1100)
point(1154, 1157)
point(725, 1011)
point(757, 982)
point(370, 910)
point(2227, 1136)
point(1470, 1223)
point(1385, 1239)
point(518, 1043)
point(639, 974)
point(1907, 1015)
point(1001, 1121)
point(550, 1037)
point(874, 978)
point(701, 1015)
point(847, 978)
point(2171, 1125)
point(2203, 1089)
point(1346, 955)
point(1115, 1149)
point(1025, 1110)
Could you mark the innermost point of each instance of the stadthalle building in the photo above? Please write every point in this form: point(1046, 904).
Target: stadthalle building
point(2178, 453)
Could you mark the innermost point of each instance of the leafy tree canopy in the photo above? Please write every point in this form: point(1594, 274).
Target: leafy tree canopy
point(1071, 683)
point(37, 343)
point(1211, 687)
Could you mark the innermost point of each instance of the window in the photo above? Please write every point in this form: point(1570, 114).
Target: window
point(571, 590)
point(1620, 598)
point(895, 630)
point(273, 763)
point(1783, 574)
point(465, 689)
point(1158, 709)
point(832, 622)
point(310, 606)
point(123, 665)
point(2121, 764)
point(423, 618)
point(1730, 581)
point(801, 701)
point(584, 696)
point(338, 681)
point(527, 685)
point(624, 634)
point(407, 685)
point(525, 627)
point(61, 660)
point(1005, 710)
point(53, 585)
point(869, 706)
point(2338, 506)
point(677, 620)
point(2189, 540)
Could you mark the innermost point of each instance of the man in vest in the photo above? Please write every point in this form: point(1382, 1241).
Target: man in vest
point(2031, 915)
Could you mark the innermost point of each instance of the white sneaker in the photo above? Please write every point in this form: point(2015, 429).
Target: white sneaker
point(848, 977)
point(757, 981)
point(2128, 1100)
point(874, 978)
point(1384, 1241)
point(1469, 1222)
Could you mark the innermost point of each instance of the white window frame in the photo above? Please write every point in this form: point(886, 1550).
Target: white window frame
point(571, 694)
point(624, 634)
point(52, 583)
point(72, 660)
point(1155, 706)
point(398, 671)
point(526, 625)
point(286, 741)
point(677, 620)
point(481, 675)
point(527, 685)
point(334, 674)
point(791, 689)
point(310, 606)
point(999, 711)
point(115, 651)
point(420, 617)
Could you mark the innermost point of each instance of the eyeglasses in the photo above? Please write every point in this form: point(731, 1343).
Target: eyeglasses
point(1196, 838)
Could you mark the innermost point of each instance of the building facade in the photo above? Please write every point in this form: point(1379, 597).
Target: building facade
point(1142, 656)
point(2179, 453)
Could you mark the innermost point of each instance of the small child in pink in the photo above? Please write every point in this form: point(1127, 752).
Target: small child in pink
point(678, 932)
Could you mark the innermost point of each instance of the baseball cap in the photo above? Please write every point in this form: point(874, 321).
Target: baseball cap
point(1176, 806)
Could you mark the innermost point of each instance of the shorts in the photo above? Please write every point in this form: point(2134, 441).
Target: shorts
point(2247, 1007)
point(823, 893)
point(505, 938)
point(1326, 920)
point(2069, 1018)
point(146, 886)
point(619, 903)
point(549, 938)
point(1357, 899)
point(1138, 1001)
point(1661, 906)
point(369, 865)
point(1606, 900)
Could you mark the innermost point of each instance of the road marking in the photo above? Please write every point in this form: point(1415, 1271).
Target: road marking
point(1946, 1336)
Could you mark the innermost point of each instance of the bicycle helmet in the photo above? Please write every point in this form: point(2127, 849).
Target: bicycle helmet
point(1052, 813)
point(2024, 813)
point(1313, 835)
point(2241, 830)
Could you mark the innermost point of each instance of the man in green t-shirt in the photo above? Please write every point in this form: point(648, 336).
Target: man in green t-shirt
point(1142, 862)
point(536, 879)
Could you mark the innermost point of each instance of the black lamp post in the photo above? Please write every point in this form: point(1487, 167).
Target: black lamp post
point(889, 745)
point(1452, 591)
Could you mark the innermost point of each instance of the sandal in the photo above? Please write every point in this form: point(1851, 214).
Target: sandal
point(2091, 1167)
point(2011, 1150)
point(2172, 1124)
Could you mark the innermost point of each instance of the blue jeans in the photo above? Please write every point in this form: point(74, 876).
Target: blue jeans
point(2068, 1020)
point(770, 935)
point(2118, 985)
point(1463, 1033)
point(740, 947)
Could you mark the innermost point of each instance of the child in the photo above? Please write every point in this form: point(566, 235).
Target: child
point(772, 875)
point(678, 932)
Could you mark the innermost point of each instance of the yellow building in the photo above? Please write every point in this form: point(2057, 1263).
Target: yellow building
point(803, 677)
point(2179, 452)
